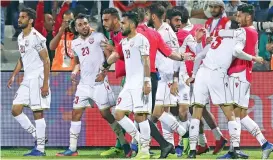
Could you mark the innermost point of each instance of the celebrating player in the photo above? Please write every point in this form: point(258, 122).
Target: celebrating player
point(93, 85)
point(135, 96)
point(218, 58)
point(240, 72)
point(34, 90)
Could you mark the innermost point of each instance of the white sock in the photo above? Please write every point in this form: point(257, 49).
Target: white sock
point(118, 131)
point(26, 124)
point(128, 125)
point(234, 133)
point(238, 120)
point(217, 133)
point(75, 130)
point(194, 131)
point(186, 126)
point(167, 133)
point(172, 122)
point(145, 136)
point(40, 133)
point(137, 126)
point(253, 129)
point(202, 140)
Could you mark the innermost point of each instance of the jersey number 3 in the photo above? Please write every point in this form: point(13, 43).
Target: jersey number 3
point(215, 44)
point(85, 51)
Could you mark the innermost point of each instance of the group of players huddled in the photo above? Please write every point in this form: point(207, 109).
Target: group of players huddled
point(171, 67)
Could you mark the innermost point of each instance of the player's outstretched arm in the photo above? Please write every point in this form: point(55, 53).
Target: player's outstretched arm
point(46, 61)
point(76, 69)
point(16, 70)
point(174, 86)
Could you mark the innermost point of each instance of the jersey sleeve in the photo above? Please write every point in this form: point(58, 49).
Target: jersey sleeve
point(119, 51)
point(40, 42)
point(162, 46)
point(144, 46)
point(240, 38)
point(190, 41)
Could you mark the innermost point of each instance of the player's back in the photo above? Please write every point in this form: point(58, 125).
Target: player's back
point(220, 54)
point(90, 55)
point(29, 48)
point(163, 63)
point(132, 51)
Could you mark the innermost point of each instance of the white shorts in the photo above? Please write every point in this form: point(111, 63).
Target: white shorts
point(240, 92)
point(212, 84)
point(29, 94)
point(164, 96)
point(133, 100)
point(100, 94)
point(184, 93)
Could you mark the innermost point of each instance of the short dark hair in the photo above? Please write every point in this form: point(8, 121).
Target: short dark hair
point(184, 14)
point(141, 13)
point(172, 13)
point(81, 16)
point(68, 12)
point(247, 8)
point(31, 13)
point(157, 9)
point(112, 11)
point(165, 4)
point(132, 16)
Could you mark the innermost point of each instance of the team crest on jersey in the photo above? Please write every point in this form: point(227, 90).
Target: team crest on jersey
point(236, 84)
point(91, 40)
point(26, 43)
point(226, 84)
point(132, 44)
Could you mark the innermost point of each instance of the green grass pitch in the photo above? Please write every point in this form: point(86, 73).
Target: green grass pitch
point(94, 153)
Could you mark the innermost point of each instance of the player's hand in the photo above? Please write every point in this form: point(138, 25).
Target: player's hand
point(187, 56)
point(106, 46)
point(146, 88)
point(64, 26)
point(209, 40)
point(41, 0)
point(10, 82)
point(258, 59)
point(174, 89)
point(73, 77)
point(269, 47)
point(45, 91)
point(189, 81)
point(100, 77)
point(199, 34)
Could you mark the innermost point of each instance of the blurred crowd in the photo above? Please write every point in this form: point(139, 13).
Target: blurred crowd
point(51, 16)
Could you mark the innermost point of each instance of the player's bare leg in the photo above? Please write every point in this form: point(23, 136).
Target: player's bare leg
point(108, 116)
point(75, 130)
point(220, 139)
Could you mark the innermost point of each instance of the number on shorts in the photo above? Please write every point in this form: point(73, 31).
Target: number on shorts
point(76, 100)
point(118, 101)
point(215, 44)
point(85, 51)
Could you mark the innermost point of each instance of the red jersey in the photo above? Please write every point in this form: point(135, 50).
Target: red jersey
point(156, 43)
point(120, 64)
point(220, 25)
point(250, 47)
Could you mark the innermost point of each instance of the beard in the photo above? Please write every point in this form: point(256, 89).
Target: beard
point(22, 26)
point(126, 32)
point(216, 14)
point(150, 23)
point(85, 34)
point(174, 27)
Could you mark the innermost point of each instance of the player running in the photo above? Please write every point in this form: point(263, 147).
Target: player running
point(89, 56)
point(34, 91)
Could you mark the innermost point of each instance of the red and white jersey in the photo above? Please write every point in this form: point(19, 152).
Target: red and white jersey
point(163, 63)
point(214, 25)
point(132, 50)
point(90, 55)
point(29, 48)
point(243, 68)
